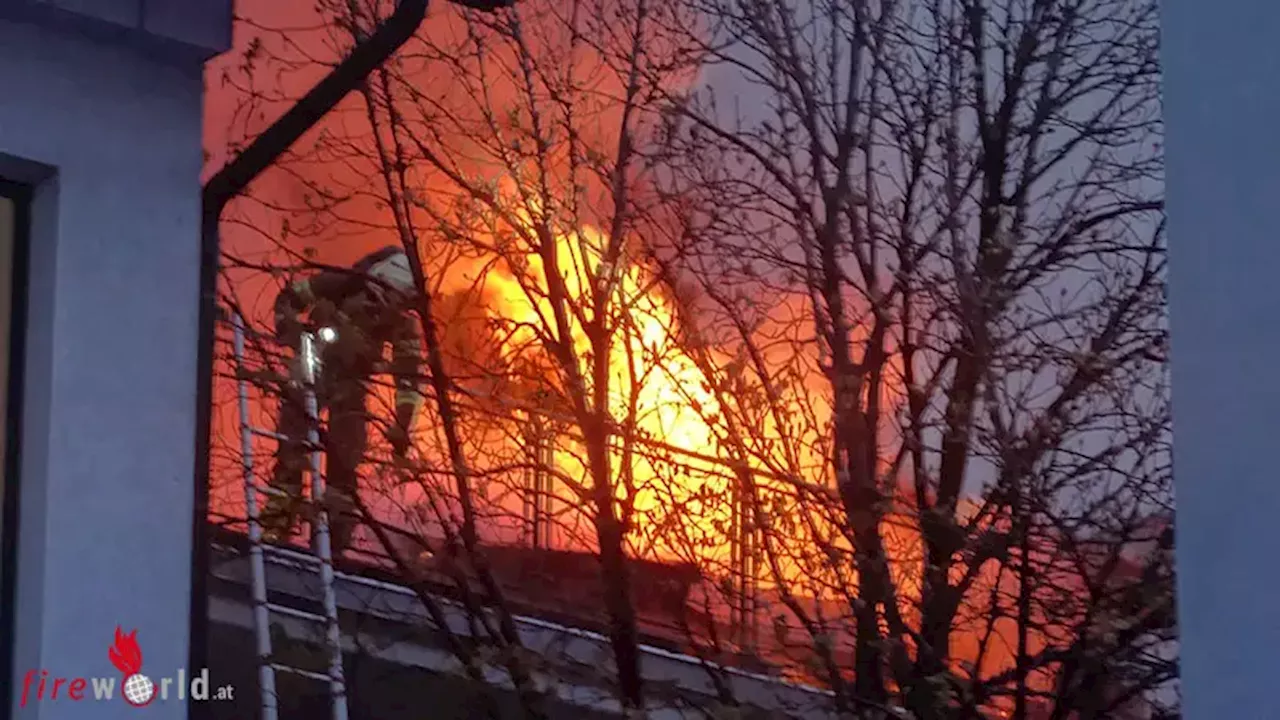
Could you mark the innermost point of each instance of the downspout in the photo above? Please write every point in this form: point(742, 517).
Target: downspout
point(229, 182)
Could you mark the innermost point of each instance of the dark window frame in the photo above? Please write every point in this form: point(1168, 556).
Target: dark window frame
point(21, 196)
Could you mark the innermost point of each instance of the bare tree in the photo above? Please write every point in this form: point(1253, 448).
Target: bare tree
point(950, 212)
point(518, 193)
point(269, 249)
point(529, 169)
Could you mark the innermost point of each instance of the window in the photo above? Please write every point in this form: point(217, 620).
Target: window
point(14, 208)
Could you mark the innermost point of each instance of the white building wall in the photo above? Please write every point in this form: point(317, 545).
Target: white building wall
point(112, 140)
point(1221, 105)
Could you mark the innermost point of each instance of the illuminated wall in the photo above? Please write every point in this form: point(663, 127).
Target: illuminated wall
point(101, 118)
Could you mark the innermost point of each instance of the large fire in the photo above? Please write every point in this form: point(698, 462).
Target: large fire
point(683, 474)
point(650, 378)
point(681, 481)
point(672, 436)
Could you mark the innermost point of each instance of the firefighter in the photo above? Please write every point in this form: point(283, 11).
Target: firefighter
point(353, 315)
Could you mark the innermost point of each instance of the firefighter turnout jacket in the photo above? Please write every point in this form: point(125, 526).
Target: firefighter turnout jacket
point(364, 323)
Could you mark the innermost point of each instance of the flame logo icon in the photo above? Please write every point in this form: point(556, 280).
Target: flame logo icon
point(126, 656)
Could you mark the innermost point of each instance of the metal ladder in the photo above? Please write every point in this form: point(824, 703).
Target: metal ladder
point(323, 558)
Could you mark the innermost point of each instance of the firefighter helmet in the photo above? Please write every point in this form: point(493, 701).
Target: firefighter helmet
point(389, 267)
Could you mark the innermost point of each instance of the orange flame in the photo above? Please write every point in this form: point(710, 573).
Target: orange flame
point(125, 654)
point(680, 480)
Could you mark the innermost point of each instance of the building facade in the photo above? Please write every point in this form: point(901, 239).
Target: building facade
point(100, 162)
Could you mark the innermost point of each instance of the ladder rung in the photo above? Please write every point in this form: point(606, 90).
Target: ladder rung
point(294, 612)
point(293, 553)
point(268, 434)
point(322, 677)
point(272, 491)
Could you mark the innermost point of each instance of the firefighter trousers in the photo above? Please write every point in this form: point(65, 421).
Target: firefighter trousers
point(343, 442)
